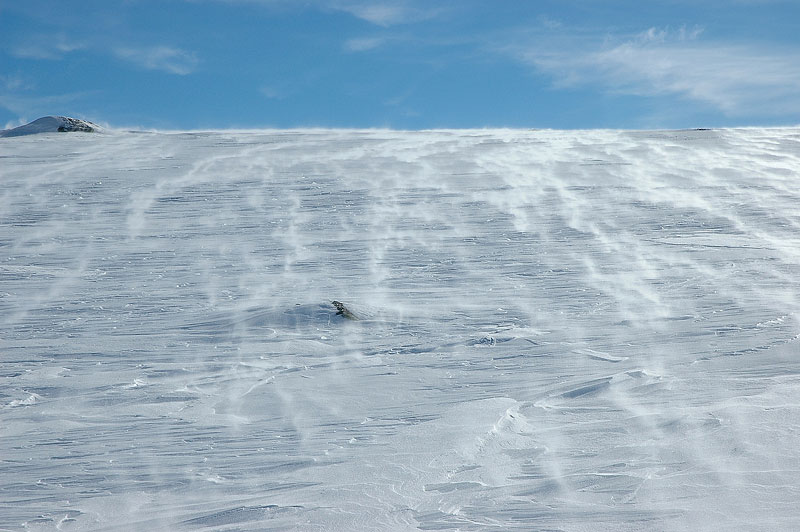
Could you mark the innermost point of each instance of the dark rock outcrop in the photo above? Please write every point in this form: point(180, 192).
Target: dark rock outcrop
point(343, 311)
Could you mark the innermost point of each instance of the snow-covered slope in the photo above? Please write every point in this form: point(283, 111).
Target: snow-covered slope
point(588, 330)
point(51, 124)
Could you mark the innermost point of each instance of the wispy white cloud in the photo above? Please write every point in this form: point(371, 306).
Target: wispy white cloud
point(379, 12)
point(12, 82)
point(50, 47)
point(549, 23)
point(164, 58)
point(736, 79)
point(363, 44)
point(389, 12)
point(58, 46)
point(384, 13)
point(271, 93)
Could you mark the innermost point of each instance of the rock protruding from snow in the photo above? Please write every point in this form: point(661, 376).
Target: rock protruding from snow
point(52, 124)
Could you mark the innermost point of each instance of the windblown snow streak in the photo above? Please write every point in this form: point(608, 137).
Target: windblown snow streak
point(556, 331)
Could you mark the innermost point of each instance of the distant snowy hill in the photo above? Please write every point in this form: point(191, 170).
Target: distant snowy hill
point(52, 124)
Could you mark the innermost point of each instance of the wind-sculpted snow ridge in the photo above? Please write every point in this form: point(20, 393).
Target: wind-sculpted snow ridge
point(52, 124)
point(590, 330)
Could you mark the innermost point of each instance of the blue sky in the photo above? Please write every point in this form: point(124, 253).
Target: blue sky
point(405, 64)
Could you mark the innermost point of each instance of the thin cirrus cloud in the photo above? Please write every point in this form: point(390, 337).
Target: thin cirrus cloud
point(379, 12)
point(736, 79)
point(363, 44)
point(272, 93)
point(46, 47)
point(163, 58)
point(386, 13)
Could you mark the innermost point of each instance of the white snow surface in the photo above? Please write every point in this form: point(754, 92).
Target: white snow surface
point(573, 331)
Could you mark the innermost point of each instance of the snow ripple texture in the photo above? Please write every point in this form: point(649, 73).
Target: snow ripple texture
point(590, 330)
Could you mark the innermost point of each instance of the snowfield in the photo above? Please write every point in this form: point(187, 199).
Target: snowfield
point(572, 331)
